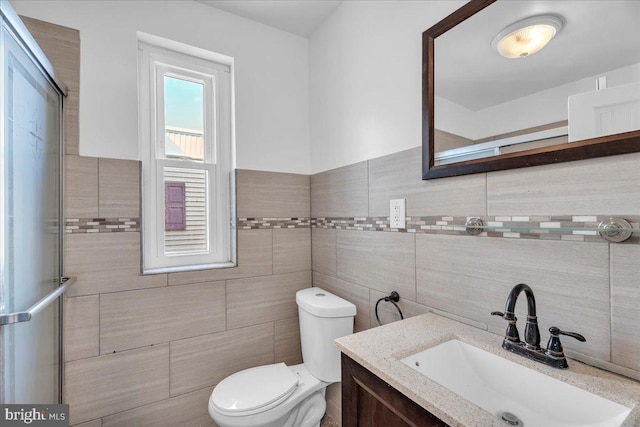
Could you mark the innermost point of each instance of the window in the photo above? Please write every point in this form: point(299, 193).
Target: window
point(187, 156)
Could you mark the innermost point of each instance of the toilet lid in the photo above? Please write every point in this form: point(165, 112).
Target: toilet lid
point(254, 389)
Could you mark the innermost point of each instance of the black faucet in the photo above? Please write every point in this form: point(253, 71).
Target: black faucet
point(553, 355)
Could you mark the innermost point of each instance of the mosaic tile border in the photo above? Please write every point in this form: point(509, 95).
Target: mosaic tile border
point(275, 223)
point(101, 225)
point(514, 227)
point(576, 228)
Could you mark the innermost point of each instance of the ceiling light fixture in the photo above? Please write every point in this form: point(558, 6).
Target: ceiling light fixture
point(528, 36)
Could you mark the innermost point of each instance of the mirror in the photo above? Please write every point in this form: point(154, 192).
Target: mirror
point(576, 98)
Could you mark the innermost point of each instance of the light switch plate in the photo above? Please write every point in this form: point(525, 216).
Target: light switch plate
point(397, 213)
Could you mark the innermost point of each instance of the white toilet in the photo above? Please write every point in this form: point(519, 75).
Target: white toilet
point(289, 396)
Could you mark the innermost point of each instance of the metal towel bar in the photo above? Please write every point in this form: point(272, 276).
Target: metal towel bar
point(25, 316)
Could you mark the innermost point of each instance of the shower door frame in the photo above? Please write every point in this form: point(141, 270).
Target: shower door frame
point(14, 25)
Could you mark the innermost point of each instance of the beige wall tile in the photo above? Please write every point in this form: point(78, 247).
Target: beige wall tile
point(340, 192)
point(152, 316)
point(255, 258)
point(378, 260)
point(388, 313)
point(399, 176)
point(119, 194)
point(355, 294)
point(86, 252)
point(273, 194)
point(71, 122)
point(291, 250)
point(62, 47)
point(116, 280)
point(448, 141)
point(106, 262)
point(81, 187)
point(525, 132)
point(287, 341)
point(604, 186)
point(104, 385)
point(186, 410)
point(470, 277)
point(205, 361)
point(625, 307)
point(263, 299)
point(81, 327)
point(94, 423)
point(323, 250)
point(461, 319)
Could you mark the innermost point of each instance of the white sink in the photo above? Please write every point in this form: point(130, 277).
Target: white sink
point(498, 385)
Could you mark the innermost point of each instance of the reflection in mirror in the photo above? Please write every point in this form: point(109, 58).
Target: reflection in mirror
point(584, 84)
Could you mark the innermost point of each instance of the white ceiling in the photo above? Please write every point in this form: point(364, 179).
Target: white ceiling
point(597, 37)
point(301, 17)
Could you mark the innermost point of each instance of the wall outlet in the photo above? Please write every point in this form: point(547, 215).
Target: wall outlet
point(397, 214)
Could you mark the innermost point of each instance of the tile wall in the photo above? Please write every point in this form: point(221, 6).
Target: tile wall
point(581, 283)
point(147, 350)
point(139, 347)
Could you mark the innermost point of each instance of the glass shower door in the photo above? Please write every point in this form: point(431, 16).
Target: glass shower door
point(30, 225)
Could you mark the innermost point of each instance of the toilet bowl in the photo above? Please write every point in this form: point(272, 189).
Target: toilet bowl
point(268, 406)
point(289, 396)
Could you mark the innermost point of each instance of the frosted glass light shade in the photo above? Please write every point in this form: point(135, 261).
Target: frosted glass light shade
point(526, 37)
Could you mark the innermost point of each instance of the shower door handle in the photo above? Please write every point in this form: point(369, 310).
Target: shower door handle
point(25, 316)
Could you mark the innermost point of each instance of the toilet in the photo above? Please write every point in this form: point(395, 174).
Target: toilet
point(289, 396)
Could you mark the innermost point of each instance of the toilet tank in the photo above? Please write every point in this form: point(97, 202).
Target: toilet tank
point(323, 318)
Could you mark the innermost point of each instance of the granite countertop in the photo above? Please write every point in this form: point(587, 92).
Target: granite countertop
point(380, 350)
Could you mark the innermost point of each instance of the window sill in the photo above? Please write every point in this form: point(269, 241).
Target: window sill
point(212, 266)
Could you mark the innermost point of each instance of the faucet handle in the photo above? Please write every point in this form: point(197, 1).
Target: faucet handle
point(554, 346)
point(555, 331)
point(512, 331)
point(504, 316)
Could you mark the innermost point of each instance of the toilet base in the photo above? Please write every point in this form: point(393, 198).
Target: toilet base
point(309, 412)
point(304, 408)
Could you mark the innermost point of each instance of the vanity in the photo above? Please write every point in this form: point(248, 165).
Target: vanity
point(380, 389)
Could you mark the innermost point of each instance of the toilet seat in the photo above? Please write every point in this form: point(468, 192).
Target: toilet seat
point(254, 390)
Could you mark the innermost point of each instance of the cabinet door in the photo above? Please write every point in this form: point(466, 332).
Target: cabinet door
point(368, 401)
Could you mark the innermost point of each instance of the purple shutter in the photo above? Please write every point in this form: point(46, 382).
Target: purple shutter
point(175, 206)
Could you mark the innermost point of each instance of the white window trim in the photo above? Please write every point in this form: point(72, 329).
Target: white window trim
point(155, 61)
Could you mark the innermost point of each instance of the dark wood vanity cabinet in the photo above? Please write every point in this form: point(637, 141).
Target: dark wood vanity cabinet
point(368, 401)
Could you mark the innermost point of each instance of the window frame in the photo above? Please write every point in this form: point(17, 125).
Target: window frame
point(159, 58)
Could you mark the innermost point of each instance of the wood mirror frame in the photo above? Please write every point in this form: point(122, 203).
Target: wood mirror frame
point(610, 145)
